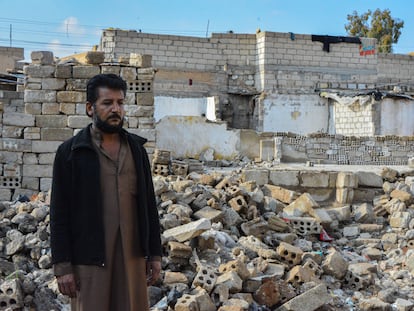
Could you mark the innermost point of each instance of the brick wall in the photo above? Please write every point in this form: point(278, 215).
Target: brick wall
point(347, 150)
point(277, 61)
point(355, 120)
point(53, 110)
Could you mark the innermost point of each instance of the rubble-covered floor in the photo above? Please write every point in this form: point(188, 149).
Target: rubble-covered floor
point(231, 244)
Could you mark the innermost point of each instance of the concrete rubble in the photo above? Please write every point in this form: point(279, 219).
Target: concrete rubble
point(232, 243)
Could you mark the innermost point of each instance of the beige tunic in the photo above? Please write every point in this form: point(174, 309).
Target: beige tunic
point(121, 283)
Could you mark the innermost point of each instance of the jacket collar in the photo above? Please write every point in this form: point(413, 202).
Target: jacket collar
point(84, 140)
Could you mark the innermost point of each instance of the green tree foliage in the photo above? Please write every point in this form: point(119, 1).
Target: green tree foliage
point(378, 24)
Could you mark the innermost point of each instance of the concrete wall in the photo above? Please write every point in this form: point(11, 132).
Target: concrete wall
point(187, 137)
point(170, 106)
point(292, 113)
point(397, 117)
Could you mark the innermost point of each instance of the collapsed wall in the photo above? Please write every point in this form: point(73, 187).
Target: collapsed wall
point(53, 110)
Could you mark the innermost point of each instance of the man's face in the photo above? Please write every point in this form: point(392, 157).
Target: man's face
point(108, 111)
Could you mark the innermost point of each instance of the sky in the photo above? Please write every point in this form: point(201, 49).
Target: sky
point(74, 26)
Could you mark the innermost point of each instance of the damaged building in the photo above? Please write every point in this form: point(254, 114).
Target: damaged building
point(277, 82)
point(277, 97)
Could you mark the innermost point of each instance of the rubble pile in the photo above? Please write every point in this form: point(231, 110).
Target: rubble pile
point(231, 244)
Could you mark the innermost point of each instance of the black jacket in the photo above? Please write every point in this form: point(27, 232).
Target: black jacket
point(76, 221)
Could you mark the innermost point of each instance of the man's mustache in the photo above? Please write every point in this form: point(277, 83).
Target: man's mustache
point(114, 116)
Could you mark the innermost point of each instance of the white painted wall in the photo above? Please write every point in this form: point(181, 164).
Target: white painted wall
point(397, 117)
point(301, 114)
point(189, 136)
point(172, 106)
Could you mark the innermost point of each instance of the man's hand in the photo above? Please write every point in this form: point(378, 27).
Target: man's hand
point(153, 271)
point(67, 285)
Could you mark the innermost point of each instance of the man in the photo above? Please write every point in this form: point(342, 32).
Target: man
point(105, 234)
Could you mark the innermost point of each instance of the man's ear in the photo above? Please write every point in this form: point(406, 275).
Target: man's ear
point(89, 109)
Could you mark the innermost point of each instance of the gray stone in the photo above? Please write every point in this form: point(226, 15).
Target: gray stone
point(33, 96)
point(18, 119)
point(42, 57)
point(308, 301)
point(284, 178)
point(188, 231)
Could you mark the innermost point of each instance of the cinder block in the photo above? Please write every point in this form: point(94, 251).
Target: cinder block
point(284, 178)
point(260, 176)
point(289, 253)
point(314, 179)
point(85, 72)
point(71, 97)
point(32, 96)
point(238, 203)
point(206, 278)
point(347, 180)
point(42, 57)
point(53, 121)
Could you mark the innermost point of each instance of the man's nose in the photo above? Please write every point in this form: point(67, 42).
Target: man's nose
point(116, 107)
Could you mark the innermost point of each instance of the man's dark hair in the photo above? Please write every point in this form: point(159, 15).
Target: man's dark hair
point(109, 80)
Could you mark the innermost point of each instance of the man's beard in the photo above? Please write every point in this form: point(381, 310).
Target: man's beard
point(105, 127)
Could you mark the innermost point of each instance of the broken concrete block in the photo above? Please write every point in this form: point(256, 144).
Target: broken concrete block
point(209, 213)
point(160, 169)
point(140, 60)
point(268, 294)
point(235, 265)
point(305, 225)
point(42, 57)
point(308, 301)
point(174, 277)
point(301, 206)
point(289, 253)
point(206, 278)
point(179, 168)
point(11, 295)
point(403, 304)
point(344, 195)
point(400, 220)
point(309, 263)
point(335, 264)
point(299, 275)
point(350, 231)
point(279, 193)
point(256, 227)
point(188, 231)
point(204, 301)
point(364, 213)
point(224, 183)
point(232, 280)
point(374, 303)
point(401, 195)
point(178, 250)
point(256, 245)
point(240, 301)
point(369, 179)
point(220, 293)
point(187, 303)
point(342, 213)
point(238, 203)
point(347, 180)
point(389, 174)
point(277, 224)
